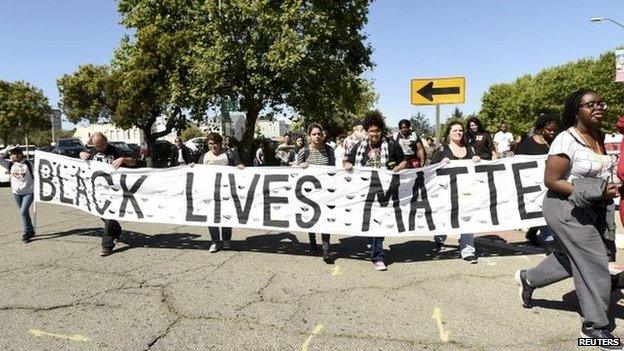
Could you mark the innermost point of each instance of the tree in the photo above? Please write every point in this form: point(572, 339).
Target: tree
point(23, 109)
point(191, 132)
point(519, 103)
point(267, 55)
point(420, 124)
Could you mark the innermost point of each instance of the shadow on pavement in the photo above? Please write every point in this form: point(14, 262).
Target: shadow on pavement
point(287, 244)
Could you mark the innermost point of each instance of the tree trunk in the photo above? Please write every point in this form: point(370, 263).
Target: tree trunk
point(247, 151)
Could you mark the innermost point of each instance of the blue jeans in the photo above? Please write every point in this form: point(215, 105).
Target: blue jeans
point(377, 251)
point(466, 244)
point(23, 203)
point(225, 231)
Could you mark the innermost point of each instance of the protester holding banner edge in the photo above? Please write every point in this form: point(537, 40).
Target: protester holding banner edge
point(105, 152)
point(578, 207)
point(455, 147)
point(22, 186)
point(318, 153)
point(545, 129)
point(376, 151)
point(217, 156)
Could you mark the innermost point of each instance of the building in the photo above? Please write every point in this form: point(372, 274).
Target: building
point(272, 129)
point(112, 133)
point(234, 127)
point(130, 136)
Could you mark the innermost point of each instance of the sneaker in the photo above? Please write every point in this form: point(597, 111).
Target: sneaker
point(225, 245)
point(213, 248)
point(106, 251)
point(472, 259)
point(599, 334)
point(31, 234)
point(525, 289)
point(26, 238)
point(380, 266)
point(531, 236)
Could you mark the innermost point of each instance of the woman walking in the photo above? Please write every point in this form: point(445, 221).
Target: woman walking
point(578, 208)
point(22, 186)
point(321, 154)
point(480, 140)
point(454, 147)
point(217, 156)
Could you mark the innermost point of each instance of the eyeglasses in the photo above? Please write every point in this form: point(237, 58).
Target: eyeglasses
point(592, 105)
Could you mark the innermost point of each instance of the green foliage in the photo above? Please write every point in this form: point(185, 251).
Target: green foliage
point(519, 103)
point(23, 109)
point(191, 132)
point(420, 124)
point(44, 137)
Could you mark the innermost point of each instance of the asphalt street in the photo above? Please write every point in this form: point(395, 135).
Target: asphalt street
point(163, 290)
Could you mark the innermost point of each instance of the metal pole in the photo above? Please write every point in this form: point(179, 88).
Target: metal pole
point(437, 121)
point(52, 121)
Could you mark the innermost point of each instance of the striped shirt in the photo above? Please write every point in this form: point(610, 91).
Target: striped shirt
point(314, 156)
point(584, 162)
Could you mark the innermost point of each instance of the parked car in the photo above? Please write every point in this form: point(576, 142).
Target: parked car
point(5, 177)
point(47, 148)
point(122, 147)
point(69, 147)
point(136, 150)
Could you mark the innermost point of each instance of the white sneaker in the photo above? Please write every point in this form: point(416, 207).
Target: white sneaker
point(380, 266)
point(213, 248)
point(225, 245)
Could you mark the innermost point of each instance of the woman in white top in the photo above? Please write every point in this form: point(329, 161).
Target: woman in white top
point(216, 156)
point(578, 165)
point(22, 186)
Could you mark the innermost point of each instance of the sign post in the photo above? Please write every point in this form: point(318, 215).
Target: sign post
point(437, 91)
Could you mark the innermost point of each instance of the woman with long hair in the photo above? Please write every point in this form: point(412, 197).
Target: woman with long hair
point(480, 140)
point(455, 147)
point(578, 208)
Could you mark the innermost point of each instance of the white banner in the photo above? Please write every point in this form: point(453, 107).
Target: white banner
point(455, 198)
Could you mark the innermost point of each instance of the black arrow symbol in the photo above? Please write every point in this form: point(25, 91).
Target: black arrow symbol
point(428, 91)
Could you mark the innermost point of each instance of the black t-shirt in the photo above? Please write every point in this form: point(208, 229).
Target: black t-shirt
point(108, 156)
point(371, 155)
point(483, 145)
point(445, 152)
point(529, 146)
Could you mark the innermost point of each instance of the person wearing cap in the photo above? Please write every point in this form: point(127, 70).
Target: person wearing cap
point(22, 186)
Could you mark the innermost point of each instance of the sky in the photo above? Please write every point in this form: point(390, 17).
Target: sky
point(486, 41)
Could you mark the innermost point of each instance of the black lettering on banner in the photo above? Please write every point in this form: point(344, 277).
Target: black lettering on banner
point(521, 190)
point(190, 216)
point(243, 214)
point(107, 177)
point(62, 197)
point(420, 191)
point(128, 196)
point(269, 200)
point(452, 173)
point(375, 191)
point(217, 198)
point(81, 189)
point(301, 197)
point(490, 169)
point(46, 180)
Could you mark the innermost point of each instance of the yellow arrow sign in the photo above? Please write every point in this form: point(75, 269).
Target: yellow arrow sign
point(75, 337)
point(435, 91)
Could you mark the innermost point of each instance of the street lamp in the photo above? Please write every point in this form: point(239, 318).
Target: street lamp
point(601, 19)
